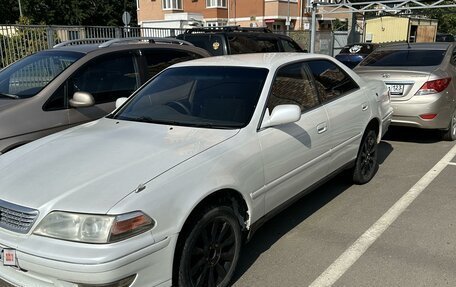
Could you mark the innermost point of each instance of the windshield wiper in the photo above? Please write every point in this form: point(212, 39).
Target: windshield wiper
point(9, 96)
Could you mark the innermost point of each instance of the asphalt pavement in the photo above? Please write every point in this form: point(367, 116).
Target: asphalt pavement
point(319, 240)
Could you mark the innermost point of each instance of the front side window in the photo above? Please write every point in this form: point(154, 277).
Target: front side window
point(331, 81)
point(207, 97)
point(293, 85)
point(106, 78)
point(241, 44)
point(27, 77)
point(289, 46)
point(172, 4)
point(216, 3)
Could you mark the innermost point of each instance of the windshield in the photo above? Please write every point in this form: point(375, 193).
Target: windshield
point(211, 97)
point(404, 58)
point(27, 77)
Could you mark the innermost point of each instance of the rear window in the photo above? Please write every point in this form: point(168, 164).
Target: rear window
point(357, 49)
point(404, 58)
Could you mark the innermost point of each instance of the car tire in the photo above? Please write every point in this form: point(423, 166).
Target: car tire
point(366, 164)
point(211, 249)
point(450, 134)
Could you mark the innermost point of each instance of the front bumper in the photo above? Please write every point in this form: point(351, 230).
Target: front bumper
point(407, 113)
point(152, 266)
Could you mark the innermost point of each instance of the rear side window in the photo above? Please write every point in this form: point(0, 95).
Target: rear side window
point(211, 43)
point(293, 85)
point(404, 58)
point(107, 78)
point(241, 44)
point(331, 81)
point(158, 60)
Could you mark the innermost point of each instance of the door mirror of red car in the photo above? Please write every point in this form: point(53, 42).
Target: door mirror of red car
point(82, 99)
point(282, 114)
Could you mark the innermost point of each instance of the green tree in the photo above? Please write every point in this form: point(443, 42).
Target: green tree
point(9, 11)
point(70, 12)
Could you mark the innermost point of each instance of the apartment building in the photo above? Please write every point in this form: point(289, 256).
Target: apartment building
point(274, 14)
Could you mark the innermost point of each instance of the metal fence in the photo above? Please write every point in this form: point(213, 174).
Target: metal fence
point(18, 41)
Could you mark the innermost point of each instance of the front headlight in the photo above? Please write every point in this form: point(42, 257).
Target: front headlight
point(93, 228)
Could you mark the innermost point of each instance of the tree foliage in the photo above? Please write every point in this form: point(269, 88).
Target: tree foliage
point(69, 12)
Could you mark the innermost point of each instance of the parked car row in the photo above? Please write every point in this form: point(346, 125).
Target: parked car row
point(164, 189)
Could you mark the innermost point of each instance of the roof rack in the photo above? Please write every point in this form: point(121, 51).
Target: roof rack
point(228, 29)
point(149, 39)
point(106, 42)
point(82, 41)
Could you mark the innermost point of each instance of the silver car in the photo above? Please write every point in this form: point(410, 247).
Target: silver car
point(421, 80)
point(66, 86)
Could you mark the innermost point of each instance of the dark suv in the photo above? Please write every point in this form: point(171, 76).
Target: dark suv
point(71, 84)
point(238, 40)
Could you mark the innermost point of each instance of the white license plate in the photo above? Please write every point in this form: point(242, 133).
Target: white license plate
point(8, 257)
point(396, 89)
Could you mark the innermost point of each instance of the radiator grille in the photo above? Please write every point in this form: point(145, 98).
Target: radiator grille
point(16, 218)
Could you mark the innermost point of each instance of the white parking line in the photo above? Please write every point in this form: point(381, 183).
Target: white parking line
point(354, 252)
point(452, 163)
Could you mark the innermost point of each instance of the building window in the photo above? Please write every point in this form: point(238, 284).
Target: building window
point(172, 4)
point(216, 3)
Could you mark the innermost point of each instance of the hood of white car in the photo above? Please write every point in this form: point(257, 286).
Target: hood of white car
point(92, 167)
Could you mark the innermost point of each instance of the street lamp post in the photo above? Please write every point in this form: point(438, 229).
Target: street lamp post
point(288, 17)
point(20, 8)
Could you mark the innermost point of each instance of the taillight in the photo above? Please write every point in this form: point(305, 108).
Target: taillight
point(428, 116)
point(433, 87)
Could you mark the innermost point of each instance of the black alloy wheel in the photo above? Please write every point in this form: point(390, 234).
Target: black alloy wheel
point(366, 163)
point(211, 250)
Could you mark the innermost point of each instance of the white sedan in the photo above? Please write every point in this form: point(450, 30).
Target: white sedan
point(164, 189)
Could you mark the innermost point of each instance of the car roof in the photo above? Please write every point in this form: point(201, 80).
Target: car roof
point(255, 60)
point(89, 48)
point(417, 46)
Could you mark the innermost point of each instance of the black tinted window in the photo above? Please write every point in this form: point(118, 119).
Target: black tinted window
point(211, 43)
point(209, 97)
point(240, 44)
point(292, 85)
point(331, 81)
point(404, 58)
point(289, 46)
point(57, 101)
point(158, 60)
point(106, 78)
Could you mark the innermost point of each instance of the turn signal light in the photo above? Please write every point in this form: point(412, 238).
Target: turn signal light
point(434, 86)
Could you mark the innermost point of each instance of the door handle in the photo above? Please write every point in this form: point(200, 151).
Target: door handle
point(321, 128)
point(365, 107)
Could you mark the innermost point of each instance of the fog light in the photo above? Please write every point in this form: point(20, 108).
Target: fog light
point(428, 116)
point(126, 282)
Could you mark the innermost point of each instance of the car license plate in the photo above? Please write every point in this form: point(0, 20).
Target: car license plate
point(396, 89)
point(8, 257)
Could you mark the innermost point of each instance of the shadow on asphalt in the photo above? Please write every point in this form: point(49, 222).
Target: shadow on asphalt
point(296, 213)
point(407, 134)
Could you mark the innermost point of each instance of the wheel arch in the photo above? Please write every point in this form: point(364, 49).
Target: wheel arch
point(222, 197)
point(375, 124)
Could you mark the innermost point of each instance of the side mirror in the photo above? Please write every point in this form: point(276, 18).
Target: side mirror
point(81, 100)
point(282, 114)
point(120, 101)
